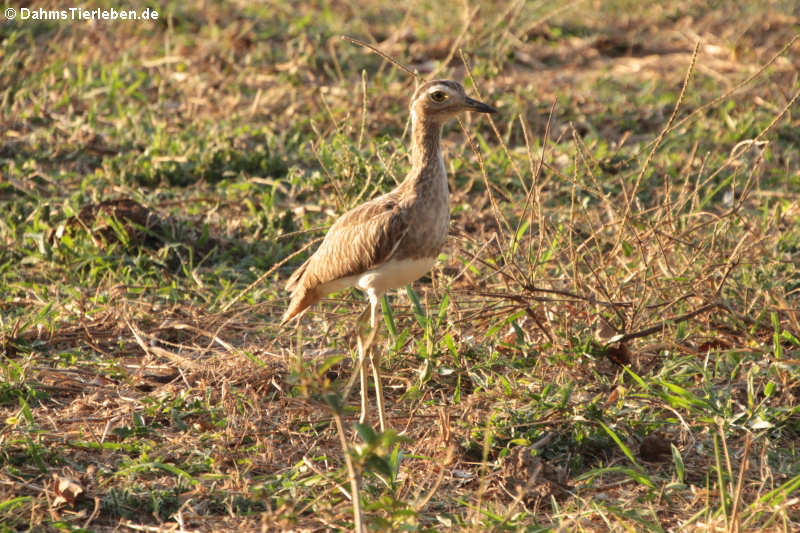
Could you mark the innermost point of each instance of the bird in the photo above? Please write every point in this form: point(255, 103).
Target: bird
point(393, 239)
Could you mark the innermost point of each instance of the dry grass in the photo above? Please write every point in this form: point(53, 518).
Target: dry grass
point(609, 342)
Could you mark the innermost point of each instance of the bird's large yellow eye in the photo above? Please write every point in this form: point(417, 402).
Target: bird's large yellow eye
point(438, 96)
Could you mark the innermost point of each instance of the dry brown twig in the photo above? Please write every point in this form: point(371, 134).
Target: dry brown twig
point(269, 272)
point(387, 57)
point(654, 147)
point(534, 194)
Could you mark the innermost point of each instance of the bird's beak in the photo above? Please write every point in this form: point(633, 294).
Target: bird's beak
point(480, 107)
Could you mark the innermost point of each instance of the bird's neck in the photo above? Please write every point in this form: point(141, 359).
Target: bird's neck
point(426, 150)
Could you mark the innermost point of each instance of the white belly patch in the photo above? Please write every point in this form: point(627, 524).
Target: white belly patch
point(391, 275)
point(394, 274)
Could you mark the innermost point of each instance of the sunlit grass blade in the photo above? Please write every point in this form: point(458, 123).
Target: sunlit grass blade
point(388, 317)
point(677, 460)
point(721, 475)
point(440, 317)
point(774, 500)
point(416, 307)
point(633, 473)
point(8, 505)
point(641, 476)
point(156, 465)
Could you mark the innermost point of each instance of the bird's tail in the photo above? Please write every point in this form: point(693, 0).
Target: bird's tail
point(302, 299)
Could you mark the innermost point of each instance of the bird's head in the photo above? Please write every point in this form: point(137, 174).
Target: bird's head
point(440, 100)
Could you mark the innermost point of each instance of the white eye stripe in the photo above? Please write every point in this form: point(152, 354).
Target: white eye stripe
point(442, 89)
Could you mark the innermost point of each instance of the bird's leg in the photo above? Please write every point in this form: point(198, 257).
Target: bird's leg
point(362, 362)
point(376, 369)
point(365, 340)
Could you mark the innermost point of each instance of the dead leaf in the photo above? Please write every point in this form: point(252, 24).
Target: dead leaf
point(613, 397)
point(66, 489)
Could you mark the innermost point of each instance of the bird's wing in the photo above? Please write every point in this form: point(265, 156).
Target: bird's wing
point(360, 240)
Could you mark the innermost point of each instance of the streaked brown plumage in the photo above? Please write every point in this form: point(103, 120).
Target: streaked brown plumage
point(360, 240)
point(394, 239)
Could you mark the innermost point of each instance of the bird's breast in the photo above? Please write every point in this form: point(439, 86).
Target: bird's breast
point(429, 222)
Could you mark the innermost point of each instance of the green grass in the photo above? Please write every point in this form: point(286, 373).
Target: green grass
point(610, 340)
